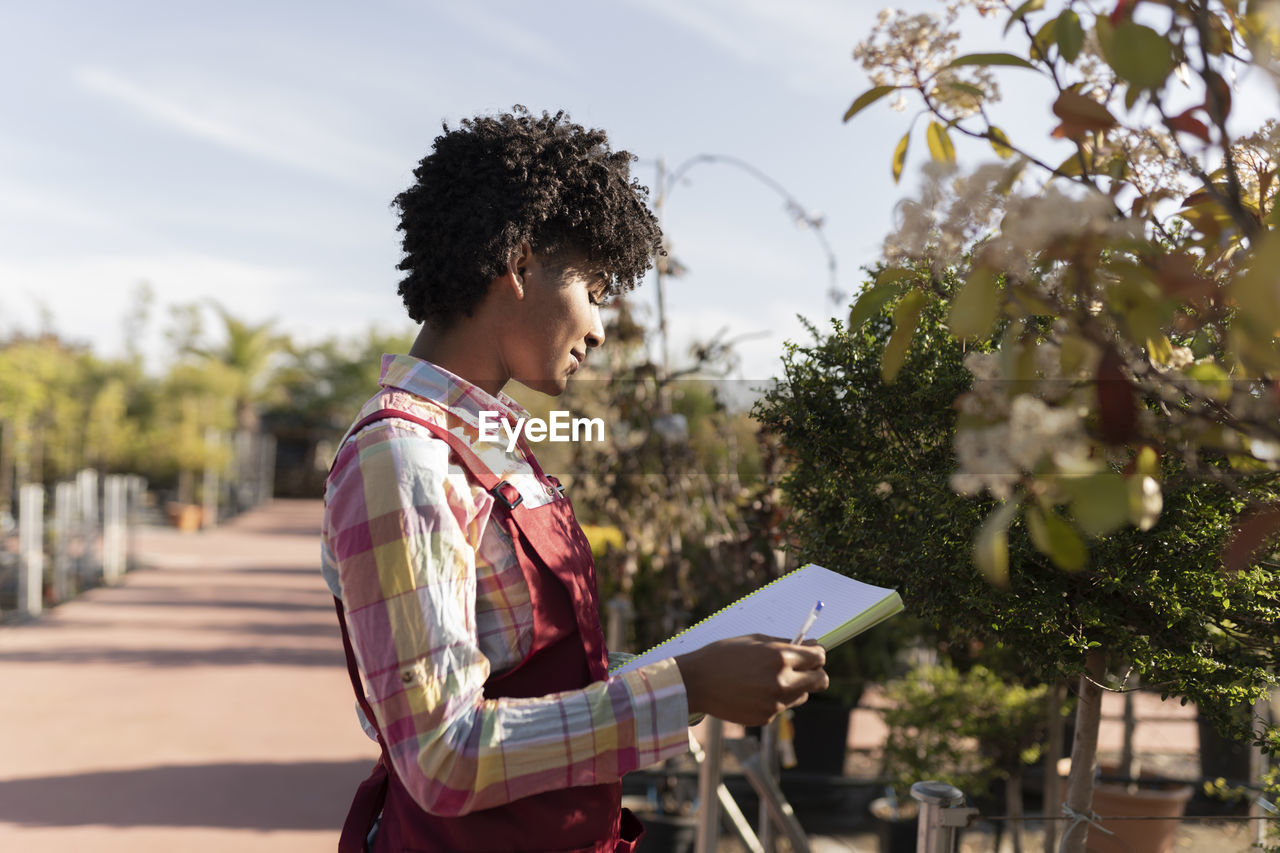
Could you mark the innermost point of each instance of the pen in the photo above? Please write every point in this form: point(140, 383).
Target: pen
point(808, 623)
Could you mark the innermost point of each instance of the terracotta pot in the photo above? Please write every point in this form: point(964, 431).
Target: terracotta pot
point(185, 517)
point(1165, 800)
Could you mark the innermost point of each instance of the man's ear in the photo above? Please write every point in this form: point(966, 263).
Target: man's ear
point(518, 262)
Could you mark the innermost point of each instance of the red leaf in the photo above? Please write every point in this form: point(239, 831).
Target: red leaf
point(1217, 96)
point(1256, 528)
point(1188, 123)
point(1177, 277)
point(1080, 115)
point(1122, 10)
point(1117, 404)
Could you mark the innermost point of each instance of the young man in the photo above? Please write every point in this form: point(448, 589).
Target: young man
point(466, 588)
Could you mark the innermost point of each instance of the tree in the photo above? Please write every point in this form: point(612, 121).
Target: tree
point(868, 486)
point(246, 351)
point(1130, 293)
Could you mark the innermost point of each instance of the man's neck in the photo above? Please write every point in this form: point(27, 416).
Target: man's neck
point(455, 350)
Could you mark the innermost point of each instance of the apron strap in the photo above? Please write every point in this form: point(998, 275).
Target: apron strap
point(483, 473)
point(372, 793)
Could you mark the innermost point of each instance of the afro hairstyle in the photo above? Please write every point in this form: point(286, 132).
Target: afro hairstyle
point(495, 182)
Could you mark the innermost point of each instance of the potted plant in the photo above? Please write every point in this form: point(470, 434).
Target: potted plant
point(966, 728)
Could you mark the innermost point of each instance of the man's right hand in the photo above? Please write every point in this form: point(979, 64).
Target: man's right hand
point(750, 679)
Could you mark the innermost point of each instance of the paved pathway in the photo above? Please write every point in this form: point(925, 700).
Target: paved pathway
point(202, 705)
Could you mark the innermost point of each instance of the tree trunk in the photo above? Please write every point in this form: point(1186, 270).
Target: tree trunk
point(1128, 758)
point(1053, 754)
point(186, 486)
point(1013, 805)
point(1084, 754)
point(7, 464)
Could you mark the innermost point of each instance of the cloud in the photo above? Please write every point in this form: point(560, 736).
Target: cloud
point(808, 41)
point(253, 123)
point(502, 36)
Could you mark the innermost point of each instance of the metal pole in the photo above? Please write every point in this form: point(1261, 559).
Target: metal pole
point(31, 549)
point(660, 196)
point(768, 763)
point(266, 468)
point(64, 523)
point(209, 488)
point(933, 835)
point(780, 811)
point(709, 774)
point(731, 811)
point(113, 498)
point(1258, 769)
point(87, 485)
point(136, 489)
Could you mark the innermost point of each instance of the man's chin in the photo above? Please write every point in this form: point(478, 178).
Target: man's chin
point(550, 387)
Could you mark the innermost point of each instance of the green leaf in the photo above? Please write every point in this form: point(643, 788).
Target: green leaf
point(1099, 502)
point(976, 306)
point(1212, 375)
point(940, 147)
point(900, 156)
point(1045, 38)
point(1131, 95)
point(866, 99)
point(870, 303)
point(889, 275)
point(990, 59)
point(1255, 291)
point(991, 545)
point(905, 318)
point(966, 88)
point(1070, 167)
point(1106, 36)
point(1054, 537)
point(1146, 462)
point(1069, 35)
point(999, 142)
point(1140, 55)
point(1021, 12)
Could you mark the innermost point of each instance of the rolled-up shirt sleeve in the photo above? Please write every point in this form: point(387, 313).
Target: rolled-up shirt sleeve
point(401, 531)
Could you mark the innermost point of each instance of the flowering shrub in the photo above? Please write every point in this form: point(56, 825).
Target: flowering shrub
point(1125, 309)
point(1131, 289)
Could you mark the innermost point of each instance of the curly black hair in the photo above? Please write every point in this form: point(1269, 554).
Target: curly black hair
point(498, 181)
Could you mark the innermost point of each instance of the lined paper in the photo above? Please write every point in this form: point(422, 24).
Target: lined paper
point(780, 608)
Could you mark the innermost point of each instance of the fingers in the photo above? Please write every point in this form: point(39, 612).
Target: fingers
point(805, 657)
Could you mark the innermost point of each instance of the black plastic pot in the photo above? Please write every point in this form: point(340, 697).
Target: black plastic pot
point(668, 833)
point(896, 831)
point(821, 736)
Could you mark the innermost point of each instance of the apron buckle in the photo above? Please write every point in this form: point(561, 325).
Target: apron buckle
point(500, 493)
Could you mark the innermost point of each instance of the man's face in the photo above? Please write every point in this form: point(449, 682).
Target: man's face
point(556, 324)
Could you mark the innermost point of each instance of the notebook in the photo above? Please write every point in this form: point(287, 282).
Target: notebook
point(779, 609)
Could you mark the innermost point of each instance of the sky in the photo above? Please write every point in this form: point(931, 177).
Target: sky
point(248, 152)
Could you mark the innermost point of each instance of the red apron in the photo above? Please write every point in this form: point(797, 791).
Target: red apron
point(567, 653)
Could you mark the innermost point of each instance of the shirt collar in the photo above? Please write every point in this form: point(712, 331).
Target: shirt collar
point(450, 391)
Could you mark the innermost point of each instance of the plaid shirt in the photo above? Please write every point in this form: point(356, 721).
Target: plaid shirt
point(436, 601)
